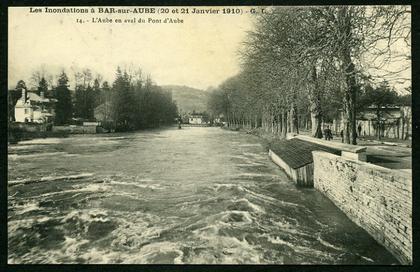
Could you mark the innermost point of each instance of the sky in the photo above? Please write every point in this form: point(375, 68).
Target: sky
point(199, 53)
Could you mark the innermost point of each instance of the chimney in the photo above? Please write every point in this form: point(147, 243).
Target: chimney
point(23, 95)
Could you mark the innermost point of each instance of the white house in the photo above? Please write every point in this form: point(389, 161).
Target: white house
point(196, 119)
point(33, 108)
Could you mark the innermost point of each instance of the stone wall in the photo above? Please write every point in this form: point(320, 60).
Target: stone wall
point(75, 129)
point(27, 127)
point(377, 199)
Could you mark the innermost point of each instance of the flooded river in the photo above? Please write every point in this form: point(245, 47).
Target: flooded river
point(195, 195)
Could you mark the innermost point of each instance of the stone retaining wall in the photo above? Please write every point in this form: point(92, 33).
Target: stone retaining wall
point(377, 199)
point(75, 129)
point(27, 127)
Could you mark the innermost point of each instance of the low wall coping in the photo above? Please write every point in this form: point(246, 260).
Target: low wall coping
point(370, 166)
point(331, 144)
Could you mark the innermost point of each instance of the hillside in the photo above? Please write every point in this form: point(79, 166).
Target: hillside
point(188, 99)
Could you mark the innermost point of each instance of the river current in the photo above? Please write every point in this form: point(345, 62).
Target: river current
point(194, 195)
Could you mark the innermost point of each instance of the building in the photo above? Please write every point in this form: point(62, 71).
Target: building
point(102, 114)
point(33, 108)
point(219, 120)
point(395, 122)
point(196, 119)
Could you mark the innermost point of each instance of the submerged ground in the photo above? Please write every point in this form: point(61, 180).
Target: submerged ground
point(195, 195)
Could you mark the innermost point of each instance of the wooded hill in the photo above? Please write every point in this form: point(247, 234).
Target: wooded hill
point(188, 99)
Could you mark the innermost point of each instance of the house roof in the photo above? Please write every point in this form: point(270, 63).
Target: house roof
point(102, 106)
point(36, 98)
point(297, 153)
point(33, 97)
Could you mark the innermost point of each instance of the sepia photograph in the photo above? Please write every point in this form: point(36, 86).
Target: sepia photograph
point(209, 135)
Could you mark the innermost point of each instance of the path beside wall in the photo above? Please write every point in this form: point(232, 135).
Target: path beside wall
point(377, 199)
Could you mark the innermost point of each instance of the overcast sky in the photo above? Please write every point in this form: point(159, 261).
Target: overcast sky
point(200, 53)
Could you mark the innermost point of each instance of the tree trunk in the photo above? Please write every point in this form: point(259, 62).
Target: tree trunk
point(346, 119)
point(407, 128)
point(314, 96)
point(402, 127)
point(316, 125)
point(292, 119)
point(284, 125)
point(347, 67)
point(263, 121)
point(378, 117)
point(307, 120)
point(351, 100)
point(279, 117)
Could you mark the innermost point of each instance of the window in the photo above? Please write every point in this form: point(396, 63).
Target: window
point(26, 111)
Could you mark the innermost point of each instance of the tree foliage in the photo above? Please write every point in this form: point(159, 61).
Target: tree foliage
point(43, 86)
point(137, 104)
point(302, 62)
point(132, 102)
point(64, 107)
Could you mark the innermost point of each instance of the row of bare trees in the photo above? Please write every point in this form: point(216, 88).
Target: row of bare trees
point(301, 65)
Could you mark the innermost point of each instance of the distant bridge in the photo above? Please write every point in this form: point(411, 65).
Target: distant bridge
point(195, 125)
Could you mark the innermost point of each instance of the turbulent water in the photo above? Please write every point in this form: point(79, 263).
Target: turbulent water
point(195, 195)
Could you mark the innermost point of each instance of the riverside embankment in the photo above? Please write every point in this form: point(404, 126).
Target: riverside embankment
point(376, 198)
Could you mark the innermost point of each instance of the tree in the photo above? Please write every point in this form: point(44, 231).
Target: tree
point(357, 36)
point(106, 97)
point(315, 54)
point(123, 102)
point(12, 98)
point(137, 104)
point(405, 100)
point(380, 98)
point(63, 110)
point(86, 76)
point(39, 74)
point(89, 103)
point(21, 85)
point(43, 87)
point(79, 102)
point(96, 93)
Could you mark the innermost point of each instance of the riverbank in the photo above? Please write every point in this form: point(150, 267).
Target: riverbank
point(16, 136)
point(393, 155)
point(267, 139)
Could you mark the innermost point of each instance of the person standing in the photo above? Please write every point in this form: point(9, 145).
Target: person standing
point(330, 136)
point(328, 133)
point(179, 123)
